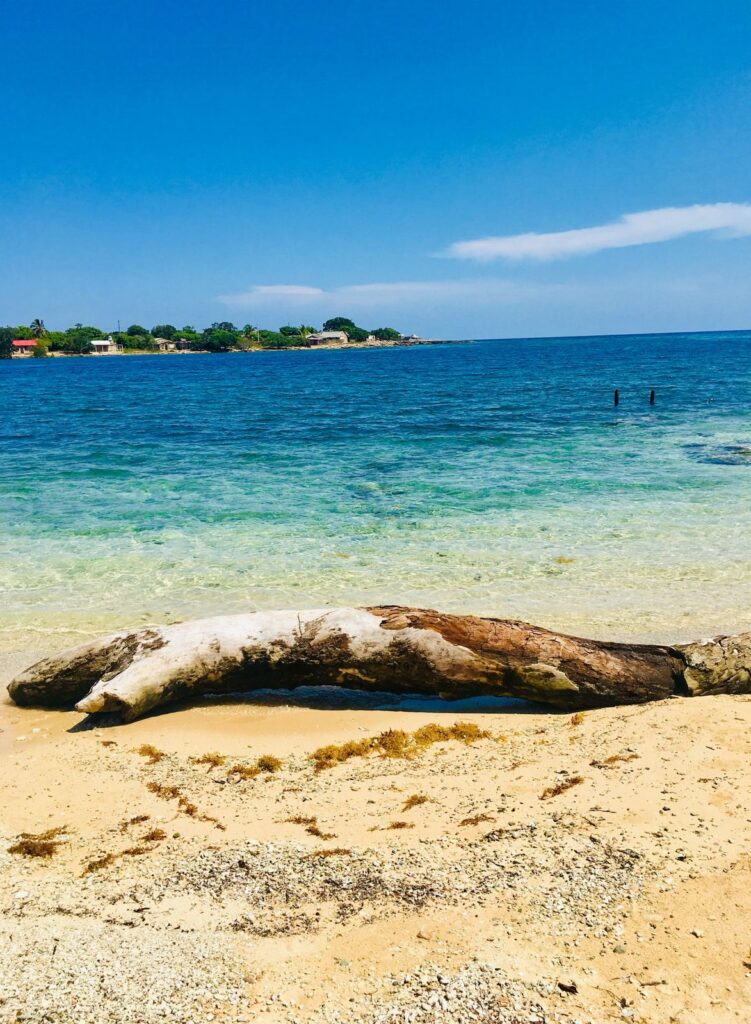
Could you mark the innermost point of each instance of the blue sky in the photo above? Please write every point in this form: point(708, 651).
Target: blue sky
point(192, 161)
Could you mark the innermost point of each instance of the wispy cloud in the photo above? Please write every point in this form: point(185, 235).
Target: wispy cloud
point(261, 291)
point(644, 228)
point(377, 294)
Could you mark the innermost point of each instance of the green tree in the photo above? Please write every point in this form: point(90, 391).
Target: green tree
point(164, 331)
point(54, 339)
point(290, 332)
point(339, 323)
point(387, 334)
point(248, 338)
point(6, 342)
point(357, 334)
point(37, 328)
point(135, 342)
point(78, 339)
point(135, 329)
point(216, 339)
point(274, 339)
point(40, 350)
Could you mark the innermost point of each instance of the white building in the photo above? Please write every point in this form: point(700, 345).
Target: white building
point(103, 346)
point(327, 338)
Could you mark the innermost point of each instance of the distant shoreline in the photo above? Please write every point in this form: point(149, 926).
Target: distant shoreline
point(338, 346)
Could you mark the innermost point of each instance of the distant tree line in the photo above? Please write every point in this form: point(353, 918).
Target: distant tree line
point(219, 337)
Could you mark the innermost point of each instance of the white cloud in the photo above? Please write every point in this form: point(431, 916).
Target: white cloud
point(731, 219)
point(270, 291)
point(385, 293)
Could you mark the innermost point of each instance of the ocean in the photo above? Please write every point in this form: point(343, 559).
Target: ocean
point(494, 477)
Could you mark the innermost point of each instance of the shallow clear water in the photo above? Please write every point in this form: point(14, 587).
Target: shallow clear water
point(495, 477)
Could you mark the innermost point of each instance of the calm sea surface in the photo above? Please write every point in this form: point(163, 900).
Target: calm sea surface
point(494, 477)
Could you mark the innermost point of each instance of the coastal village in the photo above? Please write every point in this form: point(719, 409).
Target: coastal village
point(36, 341)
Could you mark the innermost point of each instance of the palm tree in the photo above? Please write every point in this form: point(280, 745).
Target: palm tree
point(37, 328)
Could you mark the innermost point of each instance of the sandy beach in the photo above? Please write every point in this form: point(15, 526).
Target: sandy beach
point(557, 869)
point(406, 682)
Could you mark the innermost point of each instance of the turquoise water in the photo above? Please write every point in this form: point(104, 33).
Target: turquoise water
point(495, 477)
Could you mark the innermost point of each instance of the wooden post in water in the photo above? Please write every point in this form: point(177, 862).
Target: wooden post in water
point(616, 397)
point(652, 397)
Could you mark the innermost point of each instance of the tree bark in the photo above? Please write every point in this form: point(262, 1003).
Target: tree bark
point(391, 648)
point(720, 665)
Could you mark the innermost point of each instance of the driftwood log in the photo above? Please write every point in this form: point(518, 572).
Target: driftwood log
point(396, 649)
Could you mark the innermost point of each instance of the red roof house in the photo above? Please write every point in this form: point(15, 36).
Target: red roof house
point(23, 344)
